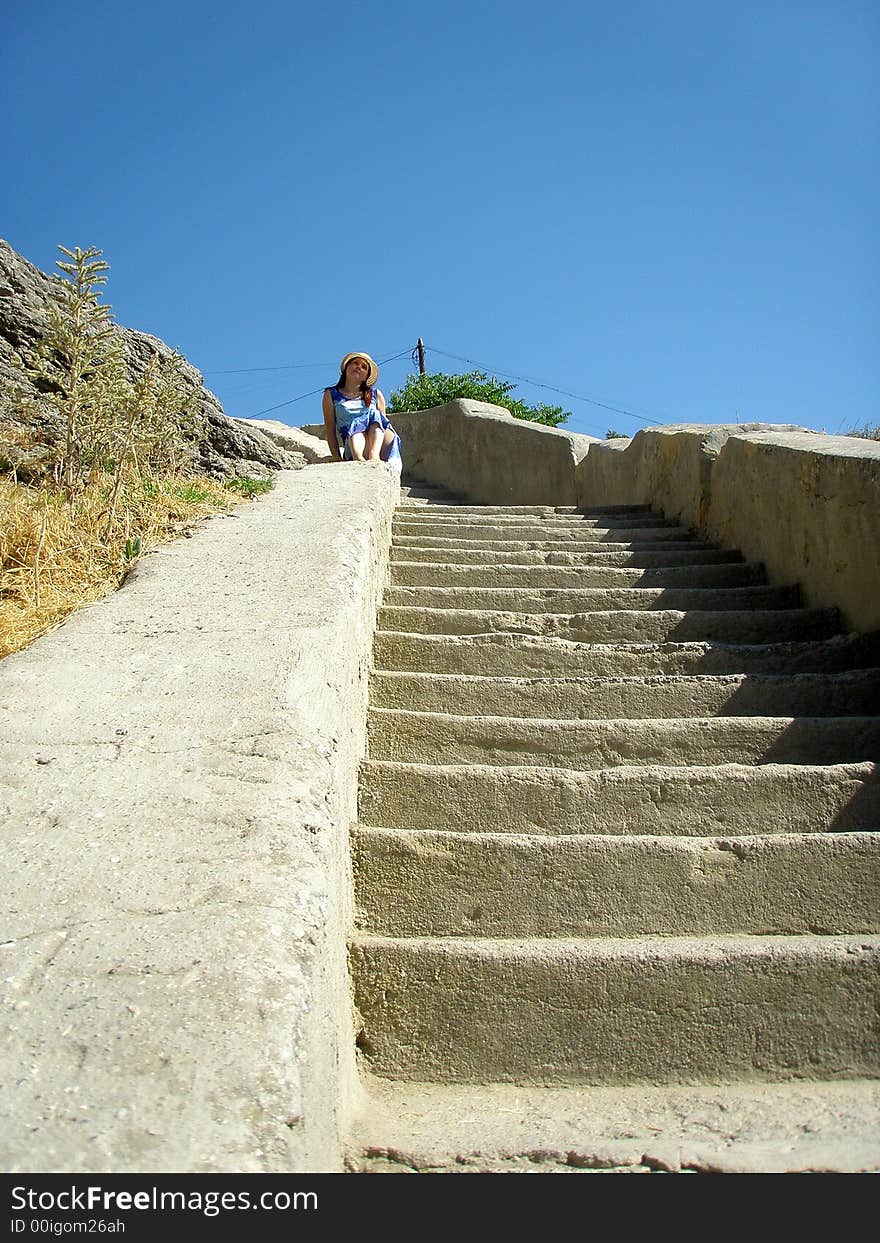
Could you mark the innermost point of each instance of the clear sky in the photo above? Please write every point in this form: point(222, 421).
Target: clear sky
point(667, 206)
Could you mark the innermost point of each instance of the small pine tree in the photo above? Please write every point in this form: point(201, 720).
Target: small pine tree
point(109, 420)
point(79, 364)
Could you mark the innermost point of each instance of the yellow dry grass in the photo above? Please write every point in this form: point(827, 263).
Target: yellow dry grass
point(56, 556)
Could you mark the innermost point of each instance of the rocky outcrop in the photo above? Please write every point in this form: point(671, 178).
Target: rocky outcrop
point(228, 448)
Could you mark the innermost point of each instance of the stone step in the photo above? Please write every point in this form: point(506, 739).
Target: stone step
point(527, 556)
point(621, 819)
point(571, 513)
point(733, 800)
point(420, 496)
point(571, 600)
point(437, 737)
point(574, 578)
point(745, 626)
point(556, 532)
point(434, 884)
point(752, 1128)
point(608, 1010)
point(637, 513)
point(524, 655)
point(465, 508)
point(546, 522)
point(586, 547)
point(831, 694)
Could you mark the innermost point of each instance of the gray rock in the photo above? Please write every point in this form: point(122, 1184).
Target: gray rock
point(228, 448)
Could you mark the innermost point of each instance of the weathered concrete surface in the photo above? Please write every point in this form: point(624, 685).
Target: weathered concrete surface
point(526, 655)
point(735, 799)
point(423, 737)
point(519, 885)
point(411, 1128)
point(571, 600)
point(568, 874)
point(521, 555)
point(805, 694)
point(437, 574)
point(567, 534)
point(622, 626)
point(177, 780)
point(607, 1010)
point(485, 454)
point(805, 504)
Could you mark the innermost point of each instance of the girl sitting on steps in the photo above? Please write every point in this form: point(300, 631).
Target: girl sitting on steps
point(354, 412)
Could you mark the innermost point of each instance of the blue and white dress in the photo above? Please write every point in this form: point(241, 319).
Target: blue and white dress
point(352, 415)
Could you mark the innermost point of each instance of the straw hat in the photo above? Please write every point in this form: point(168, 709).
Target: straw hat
point(372, 374)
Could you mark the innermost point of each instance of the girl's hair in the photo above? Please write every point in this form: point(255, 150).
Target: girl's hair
point(366, 391)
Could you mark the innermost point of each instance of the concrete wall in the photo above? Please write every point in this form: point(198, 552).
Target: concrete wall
point(806, 504)
point(177, 779)
point(488, 455)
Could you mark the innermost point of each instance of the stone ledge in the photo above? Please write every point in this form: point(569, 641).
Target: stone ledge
point(178, 780)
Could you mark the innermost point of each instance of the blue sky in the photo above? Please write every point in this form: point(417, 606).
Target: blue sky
point(666, 206)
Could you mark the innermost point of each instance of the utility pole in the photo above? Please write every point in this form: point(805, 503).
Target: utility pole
point(420, 346)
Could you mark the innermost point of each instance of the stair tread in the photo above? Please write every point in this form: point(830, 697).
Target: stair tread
point(412, 651)
point(749, 1128)
point(722, 724)
point(835, 677)
point(433, 883)
point(627, 841)
point(717, 948)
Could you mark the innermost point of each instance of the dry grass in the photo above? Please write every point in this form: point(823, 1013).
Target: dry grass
point(870, 431)
point(55, 556)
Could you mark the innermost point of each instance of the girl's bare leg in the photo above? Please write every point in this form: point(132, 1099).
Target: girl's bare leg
point(387, 442)
point(356, 444)
point(374, 442)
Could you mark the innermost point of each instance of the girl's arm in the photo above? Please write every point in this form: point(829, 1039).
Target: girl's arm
point(330, 426)
point(380, 400)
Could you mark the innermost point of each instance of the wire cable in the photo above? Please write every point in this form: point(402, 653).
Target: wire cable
point(509, 375)
point(539, 384)
point(280, 367)
point(314, 391)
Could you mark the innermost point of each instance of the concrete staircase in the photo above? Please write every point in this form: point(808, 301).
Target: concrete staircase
point(617, 858)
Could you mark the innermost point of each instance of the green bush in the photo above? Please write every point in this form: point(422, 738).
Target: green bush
point(111, 420)
point(422, 392)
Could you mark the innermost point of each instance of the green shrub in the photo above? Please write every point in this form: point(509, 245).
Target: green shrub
point(111, 421)
point(422, 392)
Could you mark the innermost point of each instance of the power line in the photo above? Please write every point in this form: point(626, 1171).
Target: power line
point(314, 391)
point(280, 367)
point(592, 401)
point(540, 384)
